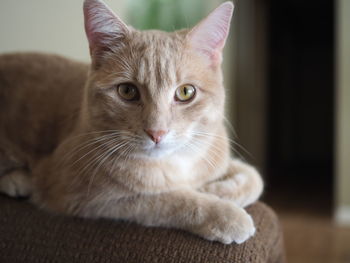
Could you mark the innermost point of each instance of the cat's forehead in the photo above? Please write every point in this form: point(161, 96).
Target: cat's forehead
point(158, 57)
point(157, 40)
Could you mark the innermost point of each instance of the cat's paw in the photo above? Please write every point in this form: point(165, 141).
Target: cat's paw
point(227, 223)
point(16, 184)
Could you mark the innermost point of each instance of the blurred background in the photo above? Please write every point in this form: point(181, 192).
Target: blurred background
point(287, 75)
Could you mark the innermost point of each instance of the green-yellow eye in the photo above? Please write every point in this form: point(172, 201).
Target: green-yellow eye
point(128, 92)
point(185, 93)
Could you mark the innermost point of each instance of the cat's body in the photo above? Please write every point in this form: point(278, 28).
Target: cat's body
point(138, 137)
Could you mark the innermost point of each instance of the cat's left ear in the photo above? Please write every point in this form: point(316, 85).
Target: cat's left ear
point(209, 36)
point(104, 29)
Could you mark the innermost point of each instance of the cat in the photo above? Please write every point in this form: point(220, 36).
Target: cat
point(136, 135)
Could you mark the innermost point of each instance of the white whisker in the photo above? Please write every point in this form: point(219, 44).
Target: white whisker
point(196, 149)
point(98, 157)
point(86, 144)
point(101, 160)
point(204, 134)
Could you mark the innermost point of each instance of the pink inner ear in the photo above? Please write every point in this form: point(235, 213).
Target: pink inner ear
point(102, 26)
point(209, 36)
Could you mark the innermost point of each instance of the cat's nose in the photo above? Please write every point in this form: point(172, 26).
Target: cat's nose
point(156, 135)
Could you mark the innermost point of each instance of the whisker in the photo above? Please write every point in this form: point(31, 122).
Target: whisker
point(86, 144)
point(196, 149)
point(230, 140)
point(212, 149)
point(96, 158)
point(227, 123)
point(102, 160)
point(118, 158)
point(95, 148)
point(87, 134)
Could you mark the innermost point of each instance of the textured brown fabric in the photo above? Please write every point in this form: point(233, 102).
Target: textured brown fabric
point(30, 235)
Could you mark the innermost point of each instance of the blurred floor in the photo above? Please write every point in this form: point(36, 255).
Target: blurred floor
point(310, 235)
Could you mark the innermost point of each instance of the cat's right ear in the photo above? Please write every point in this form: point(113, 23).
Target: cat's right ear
point(104, 29)
point(209, 36)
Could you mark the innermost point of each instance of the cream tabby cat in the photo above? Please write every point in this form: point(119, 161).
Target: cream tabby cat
point(138, 136)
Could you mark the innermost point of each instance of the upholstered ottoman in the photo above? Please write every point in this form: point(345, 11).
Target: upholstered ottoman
point(28, 234)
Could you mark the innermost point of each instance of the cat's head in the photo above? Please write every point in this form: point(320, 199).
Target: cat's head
point(161, 91)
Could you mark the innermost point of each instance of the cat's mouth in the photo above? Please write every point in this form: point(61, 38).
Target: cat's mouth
point(145, 147)
point(156, 150)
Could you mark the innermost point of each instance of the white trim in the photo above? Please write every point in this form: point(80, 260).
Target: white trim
point(342, 103)
point(342, 215)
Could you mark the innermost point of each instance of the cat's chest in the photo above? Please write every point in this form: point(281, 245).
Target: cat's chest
point(182, 166)
point(157, 175)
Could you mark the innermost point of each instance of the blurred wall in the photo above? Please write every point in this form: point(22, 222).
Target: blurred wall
point(47, 26)
point(247, 74)
point(343, 113)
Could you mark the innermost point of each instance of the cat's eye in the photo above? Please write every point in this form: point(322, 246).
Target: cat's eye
point(185, 93)
point(128, 91)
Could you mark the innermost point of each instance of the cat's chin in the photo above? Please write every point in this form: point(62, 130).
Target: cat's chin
point(155, 152)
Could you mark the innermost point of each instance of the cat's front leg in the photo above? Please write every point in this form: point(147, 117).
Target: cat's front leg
point(241, 184)
point(205, 215)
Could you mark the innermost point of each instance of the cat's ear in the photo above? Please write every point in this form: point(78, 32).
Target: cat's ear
point(104, 29)
point(209, 36)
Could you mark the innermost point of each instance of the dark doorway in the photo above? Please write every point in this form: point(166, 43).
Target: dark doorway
point(300, 106)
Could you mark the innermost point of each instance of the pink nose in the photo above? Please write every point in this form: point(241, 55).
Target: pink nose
point(156, 136)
